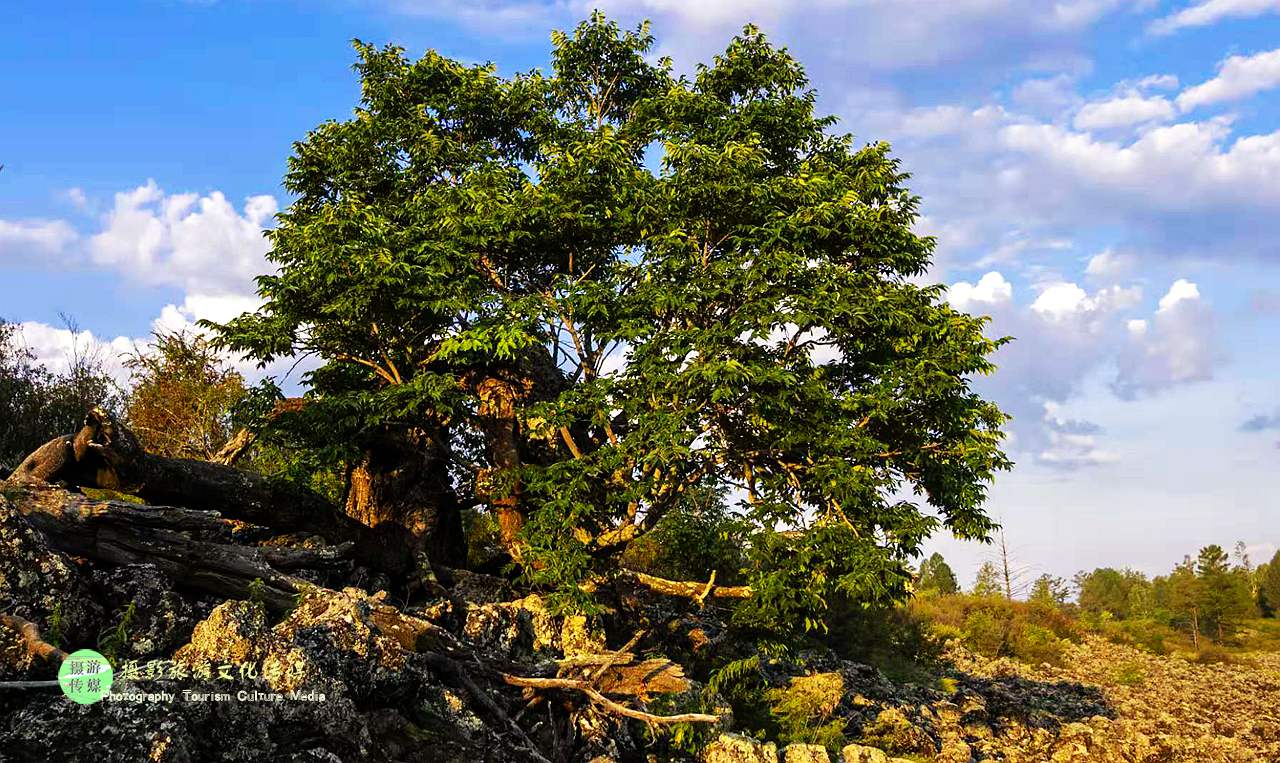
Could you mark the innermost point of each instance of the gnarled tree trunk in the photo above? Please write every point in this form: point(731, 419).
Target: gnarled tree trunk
point(402, 481)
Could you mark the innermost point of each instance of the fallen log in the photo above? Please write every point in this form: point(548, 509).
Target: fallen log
point(105, 454)
point(195, 548)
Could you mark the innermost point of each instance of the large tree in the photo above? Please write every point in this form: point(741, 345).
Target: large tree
point(574, 297)
point(1225, 593)
point(1268, 576)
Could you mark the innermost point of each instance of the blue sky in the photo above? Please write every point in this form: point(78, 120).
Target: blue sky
point(1103, 177)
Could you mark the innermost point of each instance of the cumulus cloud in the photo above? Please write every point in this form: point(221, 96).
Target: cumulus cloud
point(199, 243)
point(1177, 346)
point(20, 239)
point(1208, 12)
point(1122, 111)
point(1238, 77)
point(197, 307)
point(1066, 334)
point(992, 289)
point(1110, 264)
point(54, 347)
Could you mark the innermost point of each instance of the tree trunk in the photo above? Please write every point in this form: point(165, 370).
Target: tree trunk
point(502, 483)
point(402, 484)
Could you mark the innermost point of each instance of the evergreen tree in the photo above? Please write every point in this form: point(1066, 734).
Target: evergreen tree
point(1269, 585)
point(1050, 590)
point(1225, 597)
point(936, 576)
point(988, 581)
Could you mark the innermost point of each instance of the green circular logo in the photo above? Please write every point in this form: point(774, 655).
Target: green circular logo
point(85, 676)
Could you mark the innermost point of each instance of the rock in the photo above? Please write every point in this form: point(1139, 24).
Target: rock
point(233, 632)
point(159, 619)
point(893, 730)
point(857, 753)
point(805, 753)
point(735, 748)
point(43, 586)
point(526, 628)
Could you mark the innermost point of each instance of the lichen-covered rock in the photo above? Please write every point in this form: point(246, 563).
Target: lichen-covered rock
point(360, 696)
point(857, 753)
point(805, 753)
point(735, 748)
point(43, 586)
point(526, 628)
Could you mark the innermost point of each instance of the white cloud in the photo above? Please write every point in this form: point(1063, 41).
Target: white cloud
point(1158, 82)
point(991, 289)
point(197, 307)
point(199, 243)
point(1110, 264)
point(1185, 167)
point(27, 238)
point(1122, 111)
point(1209, 12)
point(1182, 290)
point(54, 347)
point(1071, 444)
point(1238, 77)
point(1179, 345)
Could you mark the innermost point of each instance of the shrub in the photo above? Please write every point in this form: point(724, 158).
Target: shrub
point(805, 710)
point(1212, 654)
point(996, 627)
point(1129, 674)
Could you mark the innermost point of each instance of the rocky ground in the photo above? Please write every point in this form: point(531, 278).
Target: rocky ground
point(378, 680)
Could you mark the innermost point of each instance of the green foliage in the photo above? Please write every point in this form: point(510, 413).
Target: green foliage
point(1269, 586)
point(988, 581)
point(258, 592)
point(36, 404)
point(685, 281)
point(1110, 590)
point(936, 576)
point(53, 634)
point(1225, 595)
point(997, 627)
point(1050, 590)
point(116, 638)
point(805, 710)
point(1129, 674)
point(692, 541)
point(743, 685)
point(893, 638)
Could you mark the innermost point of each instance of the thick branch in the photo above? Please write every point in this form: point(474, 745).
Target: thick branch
point(691, 590)
point(573, 684)
point(30, 633)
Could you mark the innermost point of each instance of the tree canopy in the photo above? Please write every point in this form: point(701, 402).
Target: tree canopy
point(597, 290)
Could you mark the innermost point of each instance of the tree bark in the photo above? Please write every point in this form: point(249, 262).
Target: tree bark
point(402, 484)
point(196, 549)
point(498, 420)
